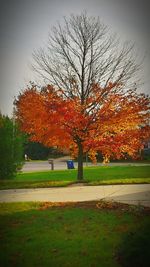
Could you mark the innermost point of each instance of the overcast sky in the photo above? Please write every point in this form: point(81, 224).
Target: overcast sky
point(25, 25)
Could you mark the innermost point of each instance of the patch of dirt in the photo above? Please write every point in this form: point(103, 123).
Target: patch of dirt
point(101, 205)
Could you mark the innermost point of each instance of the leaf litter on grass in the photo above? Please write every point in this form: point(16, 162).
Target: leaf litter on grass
point(102, 204)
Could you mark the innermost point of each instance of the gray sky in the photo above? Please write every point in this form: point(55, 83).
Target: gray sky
point(25, 25)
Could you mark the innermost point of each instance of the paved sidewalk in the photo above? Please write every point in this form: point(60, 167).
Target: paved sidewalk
point(131, 194)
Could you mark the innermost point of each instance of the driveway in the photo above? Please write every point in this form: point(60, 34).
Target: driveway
point(131, 194)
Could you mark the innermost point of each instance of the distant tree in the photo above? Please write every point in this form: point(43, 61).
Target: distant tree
point(91, 103)
point(35, 150)
point(11, 147)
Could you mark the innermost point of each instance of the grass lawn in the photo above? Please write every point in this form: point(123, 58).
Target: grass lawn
point(93, 176)
point(81, 234)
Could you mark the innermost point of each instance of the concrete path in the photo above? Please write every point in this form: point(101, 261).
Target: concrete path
point(131, 194)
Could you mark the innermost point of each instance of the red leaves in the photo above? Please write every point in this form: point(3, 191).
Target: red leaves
point(112, 122)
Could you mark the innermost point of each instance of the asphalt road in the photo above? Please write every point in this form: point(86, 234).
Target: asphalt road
point(61, 164)
point(131, 194)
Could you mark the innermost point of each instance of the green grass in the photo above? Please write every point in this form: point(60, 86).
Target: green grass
point(80, 235)
point(92, 175)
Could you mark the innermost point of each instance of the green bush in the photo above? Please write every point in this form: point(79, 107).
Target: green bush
point(135, 248)
point(11, 147)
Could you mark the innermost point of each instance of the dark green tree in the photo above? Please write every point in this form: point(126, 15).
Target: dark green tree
point(11, 147)
point(35, 150)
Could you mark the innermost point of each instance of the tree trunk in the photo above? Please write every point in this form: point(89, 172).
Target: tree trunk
point(80, 162)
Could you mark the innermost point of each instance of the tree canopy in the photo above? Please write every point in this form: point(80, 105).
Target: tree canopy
point(90, 103)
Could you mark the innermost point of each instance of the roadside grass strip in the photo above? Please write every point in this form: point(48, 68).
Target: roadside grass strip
point(92, 176)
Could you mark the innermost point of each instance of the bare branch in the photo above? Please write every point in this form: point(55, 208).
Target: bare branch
point(83, 52)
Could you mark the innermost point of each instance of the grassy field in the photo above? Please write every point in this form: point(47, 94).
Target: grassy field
point(81, 234)
point(92, 176)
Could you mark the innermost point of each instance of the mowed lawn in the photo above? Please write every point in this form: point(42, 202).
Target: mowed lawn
point(92, 176)
point(83, 234)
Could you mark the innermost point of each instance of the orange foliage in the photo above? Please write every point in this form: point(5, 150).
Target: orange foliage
point(114, 123)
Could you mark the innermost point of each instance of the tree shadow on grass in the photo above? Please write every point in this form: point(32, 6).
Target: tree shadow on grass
point(134, 250)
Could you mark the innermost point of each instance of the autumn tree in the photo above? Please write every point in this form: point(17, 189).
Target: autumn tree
point(91, 103)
